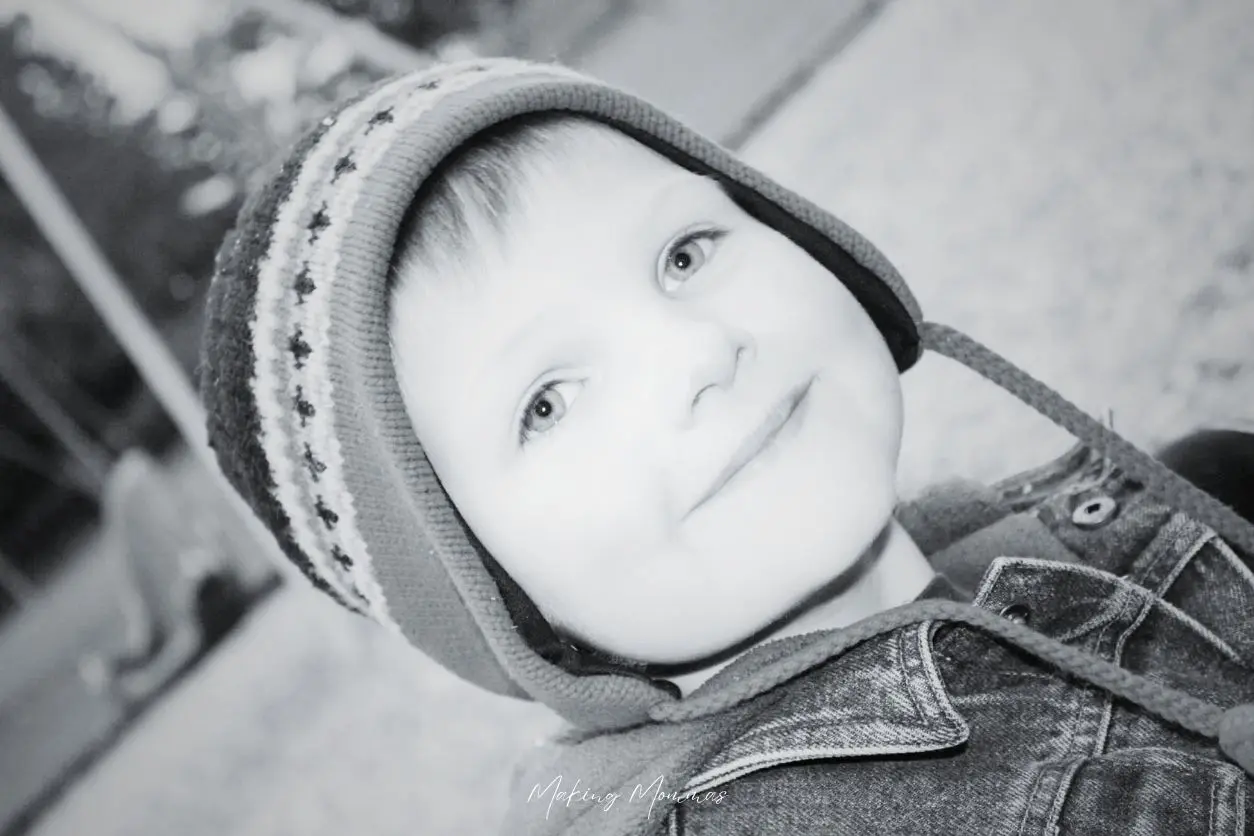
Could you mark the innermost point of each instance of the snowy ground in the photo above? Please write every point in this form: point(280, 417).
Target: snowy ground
point(1068, 182)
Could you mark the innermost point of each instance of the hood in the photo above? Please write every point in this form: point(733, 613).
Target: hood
point(305, 413)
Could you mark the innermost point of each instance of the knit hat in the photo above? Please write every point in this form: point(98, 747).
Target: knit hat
point(305, 411)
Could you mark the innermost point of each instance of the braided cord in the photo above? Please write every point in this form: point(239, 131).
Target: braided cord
point(1172, 487)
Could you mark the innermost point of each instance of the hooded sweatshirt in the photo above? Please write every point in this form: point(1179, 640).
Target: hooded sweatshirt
point(307, 421)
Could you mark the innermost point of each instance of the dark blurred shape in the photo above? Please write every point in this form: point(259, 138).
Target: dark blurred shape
point(1220, 462)
point(423, 23)
point(221, 601)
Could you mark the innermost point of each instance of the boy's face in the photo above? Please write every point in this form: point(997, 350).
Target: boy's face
point(582, 396)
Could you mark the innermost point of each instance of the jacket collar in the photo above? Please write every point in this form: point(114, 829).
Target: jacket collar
point(882, 697)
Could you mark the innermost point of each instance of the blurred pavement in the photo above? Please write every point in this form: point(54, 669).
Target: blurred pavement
point(1068, 182)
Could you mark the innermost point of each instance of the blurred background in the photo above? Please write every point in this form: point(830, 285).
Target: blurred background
point(1071, 183)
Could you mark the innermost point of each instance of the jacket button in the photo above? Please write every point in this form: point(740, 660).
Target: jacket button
point(1018, 613)
point(1094, 513)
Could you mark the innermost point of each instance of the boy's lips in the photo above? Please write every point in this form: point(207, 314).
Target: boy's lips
point(758, 440)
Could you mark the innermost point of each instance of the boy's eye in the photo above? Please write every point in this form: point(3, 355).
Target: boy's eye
point(683, 258)
point(544, 410)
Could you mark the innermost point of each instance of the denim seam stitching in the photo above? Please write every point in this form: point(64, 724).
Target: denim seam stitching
point(1230, 555)
point(672, 821)
point(1032, 793)
point(1198, 536)
point(1126, 587)
point(901, 650)
point(1066, 778)
point(749, 764)
point(1156, 597)
point(1240, 802)
point(1177, 614)
point(942, 707)
point(1211, 822)
point(1102, 735)
point(1001, 564)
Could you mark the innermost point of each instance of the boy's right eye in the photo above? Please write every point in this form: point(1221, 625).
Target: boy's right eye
point(685, 256)
point(545, 408)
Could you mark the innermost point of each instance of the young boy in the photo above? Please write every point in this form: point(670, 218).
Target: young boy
point(596, 415)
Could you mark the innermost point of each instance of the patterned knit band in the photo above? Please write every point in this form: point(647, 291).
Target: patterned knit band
point(305, 411)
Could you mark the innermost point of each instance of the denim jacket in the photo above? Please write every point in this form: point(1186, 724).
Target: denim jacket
point(941, 729)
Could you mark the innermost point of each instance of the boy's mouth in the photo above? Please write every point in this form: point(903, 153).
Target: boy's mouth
point(758, 441)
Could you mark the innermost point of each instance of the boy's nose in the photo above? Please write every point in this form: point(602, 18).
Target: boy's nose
point(716, 363)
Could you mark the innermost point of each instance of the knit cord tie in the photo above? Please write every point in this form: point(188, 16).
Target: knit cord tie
point(1158, 478)
point(1233, 728)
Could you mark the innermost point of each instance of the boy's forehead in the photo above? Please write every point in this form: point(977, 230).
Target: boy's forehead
point(579, 230)
point(598, 168)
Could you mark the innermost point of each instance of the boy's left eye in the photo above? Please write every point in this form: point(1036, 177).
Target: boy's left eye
point(686, 255)
point(544, 410)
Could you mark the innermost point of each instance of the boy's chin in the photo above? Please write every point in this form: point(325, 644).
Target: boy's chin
point(752, 609)
point(717, 608)
point(735, 633)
